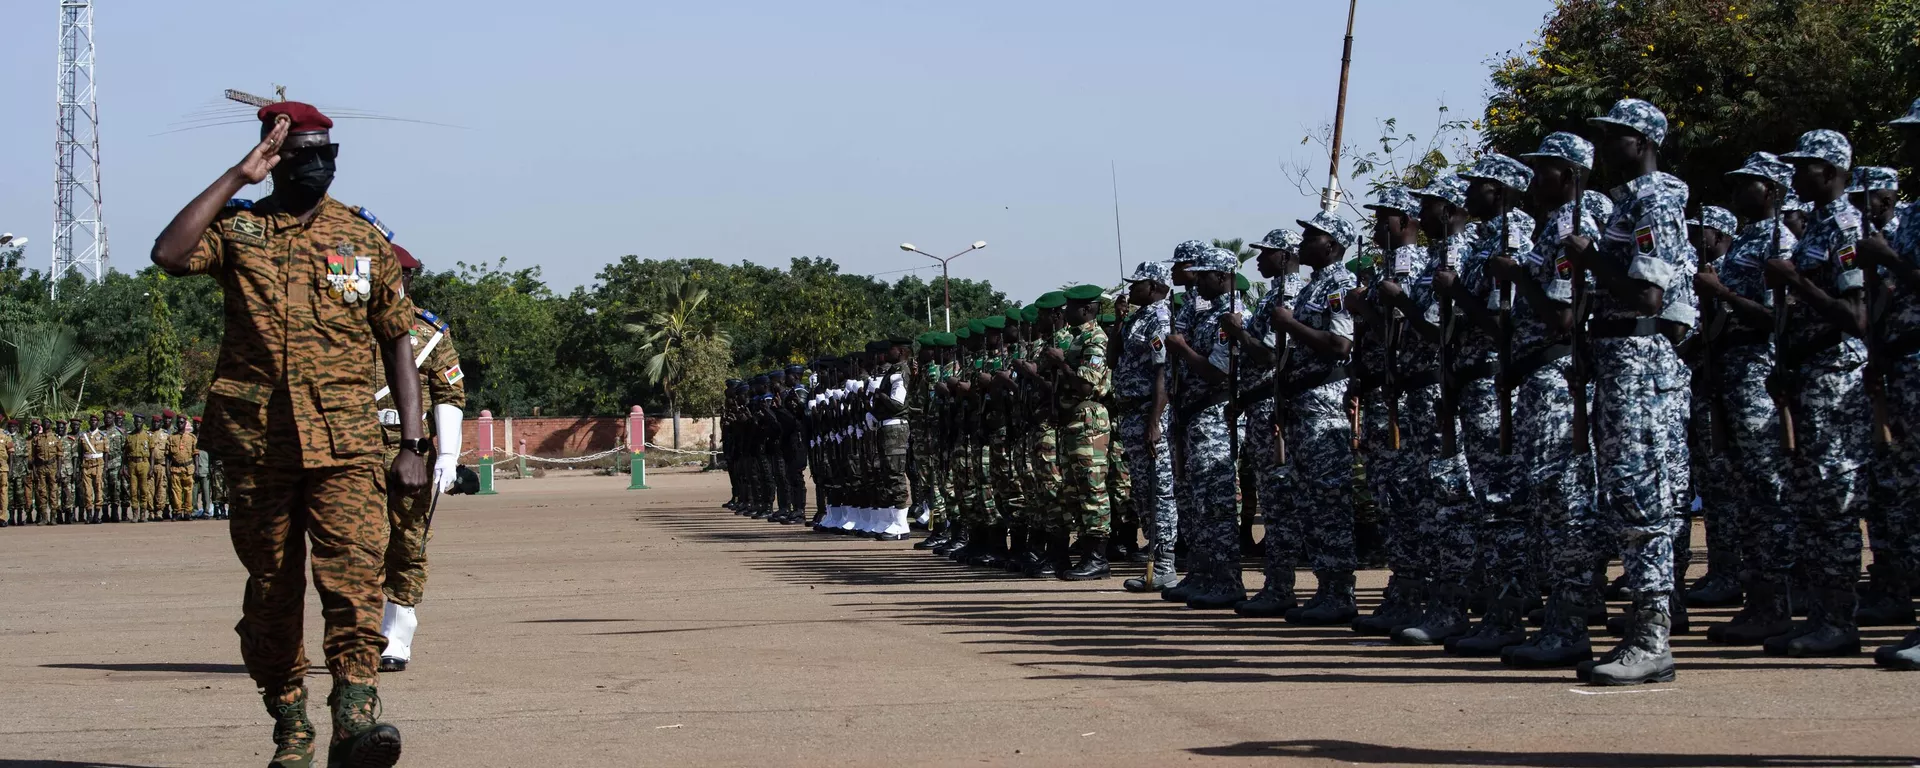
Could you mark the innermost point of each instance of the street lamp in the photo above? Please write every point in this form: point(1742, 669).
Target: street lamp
point(946, 285)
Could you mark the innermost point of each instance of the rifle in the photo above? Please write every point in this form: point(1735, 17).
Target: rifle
point(1388, 387)
point(1577, 340)
point(1714, 319)
point(1876, 371)
point(1783, 403)
point(1233, 379)
point(1502, 381)
point(1449, 439)
point(1280, 374)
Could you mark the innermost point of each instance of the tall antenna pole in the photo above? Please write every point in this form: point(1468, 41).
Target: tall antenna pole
point(79, 234)
point(1330, 195)
point(1119, 250)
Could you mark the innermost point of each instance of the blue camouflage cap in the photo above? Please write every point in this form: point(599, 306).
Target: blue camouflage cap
point(1395, 199)
point(1341, 231)
point(1188, 251)
point(1912, 117)
point(1869, 178)
point(1153, 272)
point(1823, 145)
point(1215, 260)
point(1598, 205)
point(1450, 188)
point(1504, 170)
point(1716, 217)
point(1282, 239)
point(1766, 165)
point(1640, 116)
point(1566, 146)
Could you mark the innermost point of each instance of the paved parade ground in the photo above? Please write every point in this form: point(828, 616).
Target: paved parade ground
point(570, 622)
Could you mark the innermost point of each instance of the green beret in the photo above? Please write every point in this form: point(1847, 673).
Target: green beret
point(1108, 319)
point(977, 325)
point(943, 339)
point(1240, 282)
point(1051, 300)
point(964, 332)
point(995, 322)
point(1031, 314)
point(1015, 314)
point(925, 339)
point(1084, 293)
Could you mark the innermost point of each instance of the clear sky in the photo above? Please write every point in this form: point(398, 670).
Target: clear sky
point(758, 130)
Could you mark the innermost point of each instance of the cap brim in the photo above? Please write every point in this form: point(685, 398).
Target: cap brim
point(1804, 158)
point(1608, 121)
point(1905, 120)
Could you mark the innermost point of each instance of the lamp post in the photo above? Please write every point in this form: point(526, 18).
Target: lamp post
point(946, 285)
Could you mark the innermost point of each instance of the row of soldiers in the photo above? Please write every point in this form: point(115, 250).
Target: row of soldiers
point(1538, 379)
point(118, 469)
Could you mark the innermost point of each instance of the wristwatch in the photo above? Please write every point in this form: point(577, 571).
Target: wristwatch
point(421, 446)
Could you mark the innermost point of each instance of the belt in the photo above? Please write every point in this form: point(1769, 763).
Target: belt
point(1533, 361)
point(1329, 376)
point(1793, 355)
point(1128, 405)
point(1744, 337)
point(1205, 403)
point(95, 456)
point(1622, 327)
point(1417, 380)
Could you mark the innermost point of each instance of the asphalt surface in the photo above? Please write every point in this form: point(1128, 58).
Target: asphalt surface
point(571, 622)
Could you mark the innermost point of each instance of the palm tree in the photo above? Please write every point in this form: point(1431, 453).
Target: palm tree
point(664, 338)
point(1237, 246)
point(38, 366)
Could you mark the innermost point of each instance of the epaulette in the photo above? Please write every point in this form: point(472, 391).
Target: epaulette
point(240, 202)
point(433, 320)
point(375, 221)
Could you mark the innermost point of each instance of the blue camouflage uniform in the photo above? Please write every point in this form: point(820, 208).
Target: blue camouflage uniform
point(1390, 476)
point(1141, 361)
point(1257, 408)
point(1317, 480)
point(1896, 470)
point(1181, 324)
point(1210, 466)
point(1443, 497)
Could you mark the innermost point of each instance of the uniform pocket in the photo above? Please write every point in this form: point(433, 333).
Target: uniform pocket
point(352, 425)
point(236, 419)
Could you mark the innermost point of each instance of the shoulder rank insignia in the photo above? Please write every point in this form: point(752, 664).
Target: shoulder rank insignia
point(240, 202)
point(375, 221)
point(433, 320)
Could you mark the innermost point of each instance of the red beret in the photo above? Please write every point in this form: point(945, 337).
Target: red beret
point(166, 414)
point(407, 261)
point(305, 118)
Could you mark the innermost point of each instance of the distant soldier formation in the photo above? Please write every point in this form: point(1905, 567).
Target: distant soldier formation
point(112, 467)
point(1538, 380)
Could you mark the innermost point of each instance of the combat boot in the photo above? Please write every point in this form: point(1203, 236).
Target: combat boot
point(1720, 587)
point(1274, 599)
point(1017, 552)
point(360, 740)
point(1399, 606)
point(1312, 602)
point(1888, 599)
point(1829, 628)
point(1445, 617)
point(1616, 589)
point(1222, 589)
point(989, 548)
point(1643, 656)
point(1195, 581)
point(972, 540)
point(1561, 642)
point(1093, 561)
point(1763, 615)
point(293, 733)
point(1160, 576)
point(935, 537)
point(956, 539)
point(1336, 604)
point(1904, 655)
point(1498, 630)
point(1058, 558)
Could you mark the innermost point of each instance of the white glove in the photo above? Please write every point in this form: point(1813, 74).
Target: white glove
point(446, 427)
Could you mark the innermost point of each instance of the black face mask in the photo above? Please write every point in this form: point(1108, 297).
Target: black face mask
point(303, 178)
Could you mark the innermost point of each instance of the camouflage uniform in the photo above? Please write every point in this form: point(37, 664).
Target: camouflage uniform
point(1496, 477)
point(1085, 432)
point(7, 450)
point(405, 582)
point(69, 476)
point(47, 451)
point(140, 474)
point(1316, 482)
point(157, 498)
point(1280, 545)
point(1896, 468)
point(1442, 496)
point(1211, 474)
point(116, 474)
point(288, 414)
point(181, 449)
point(92, 479)
point(1142, 359)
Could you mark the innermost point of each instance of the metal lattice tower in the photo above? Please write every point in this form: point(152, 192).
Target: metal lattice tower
point(79, 234)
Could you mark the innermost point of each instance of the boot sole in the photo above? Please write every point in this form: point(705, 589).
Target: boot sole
point(1598, 678)
point(379, 747)
point(1086, 577)
point(1850, 649)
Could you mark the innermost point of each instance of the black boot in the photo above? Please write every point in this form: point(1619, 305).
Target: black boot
point(1829, 628)
point(1720, 587)
point(1400, 605)
point(1274, 599)
point(1561, 642)
point(1498, 630)
point(1222, 589)
point(1644, 656)
point(1903, 655)
point(1159, 577)
point(936, 537)
point(1058, 557)
point(1763, 615)
point(1335, 606)
point(956, 541)
point(1888, 599)
point(1093, 560)
point(1445, 617)
point(1018, 555)
point(991, 549)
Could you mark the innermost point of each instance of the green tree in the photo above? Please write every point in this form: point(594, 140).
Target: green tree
point(163, 379)
point(42, 370)
point(503, 325)
point(666, 336)
point(1733, 77)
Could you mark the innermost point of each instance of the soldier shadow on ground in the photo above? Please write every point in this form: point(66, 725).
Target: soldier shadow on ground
point(1350, 752)
point(1073, 631)
point(178, 667)
point(5, 763)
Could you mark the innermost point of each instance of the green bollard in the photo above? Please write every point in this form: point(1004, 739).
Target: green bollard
point(485, 470)
point(638, 472)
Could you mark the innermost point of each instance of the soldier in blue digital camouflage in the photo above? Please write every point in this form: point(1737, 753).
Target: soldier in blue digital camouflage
point(1392, 474)
point(1315, 481)
point(1885, 599)
point(1638, 263)
point(1896, 466)
point(1821, 370)
point(1875, 191)
point(1186, 304)
point(1555, 468)
point(1748, 528)
point(1141, 418)
point(1206, 357)
point(1713, 234)
point(1442, 520)
point(1261, 344)
point(1495, 185)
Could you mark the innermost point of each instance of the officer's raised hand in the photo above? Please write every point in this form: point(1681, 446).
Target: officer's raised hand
point(260, 161)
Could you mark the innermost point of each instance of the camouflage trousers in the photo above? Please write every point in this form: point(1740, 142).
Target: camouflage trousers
point(406, 559)
point(1555, 485)
point(931, 461)
point(919, 472)
point(1826, 481)
point(1501, 527)
point(276, 512)
point(1211, 476)
point(1316, 484)
point(1636, 388)
point(1120, 484)
point(1151, 467)
point(986, 495)
point(890, 489)
point(1678, 453)
point(1083, 495)
point(1896, 470)
point(115, 481)
point(1281, 544)
point(1047, 488)
point(1392, 477)
point(959, 488)
point(1441, 497)
point(1010, 498)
